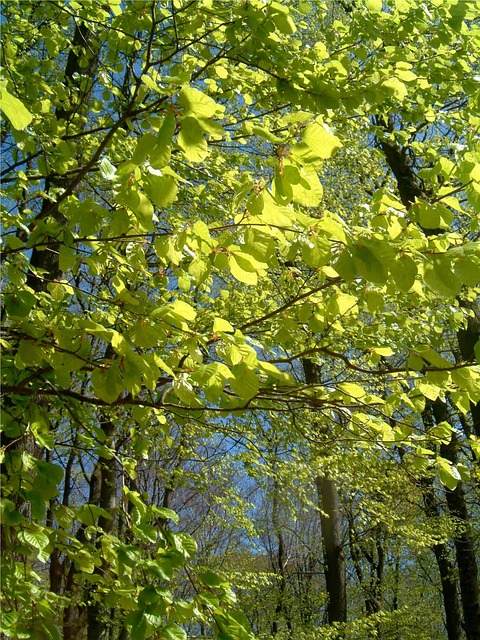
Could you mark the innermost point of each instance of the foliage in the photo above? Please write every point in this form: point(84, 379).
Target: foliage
point(195, 201)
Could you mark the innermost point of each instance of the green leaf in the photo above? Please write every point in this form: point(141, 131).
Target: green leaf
point(342, 304)
point(107, 382)
point(14, 110)
point(442, 432)
point(308, 191)
point(89, 513)
point(162, 190)
point(440, 278)
point(183, 310)
point(375, 6)
point(185, 392)
point(467, 271)
point(186, 544)
point(369, 267)
point(352, 389)
point(266, 134)
point(284, 23)
point(161, 153)
point(139, 204)
point(433, 216)
point(36, 539)
point(107, 170)
point(372, 259)
point(242, 269)
point(316, 252)
point(212, 378)
point(145, 145)
point(345, 266)
point(129, 555)
point(320, 141)
point(447, 473)
point(219, 324)
point(246, 383)
point(404, 271)
point(475, 445)
point(148, 595)
point(174, 632)
point(19, 303)
point(192, 141)
point(395, 88)
point(8, 621)
point(211, 579)
point(198, 103)
point(8, 513)
point(135, 621)
point(258, 245)
point(430, 391)
point(283, 377)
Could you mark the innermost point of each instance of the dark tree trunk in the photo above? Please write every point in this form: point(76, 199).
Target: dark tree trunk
point(446, 569)
point(375, 556)
point(97, 618)
point(330, 517)
point(82, 62)
point(335, 574)
point(464, 537)
point(281, 608)
point(73, 614)
point(467, 339)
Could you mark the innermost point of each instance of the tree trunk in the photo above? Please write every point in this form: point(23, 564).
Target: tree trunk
point(329, 503)
point(281, 563)
point(446, 569)
point(375, 556)
point(464, 537)
point(335, 574)
point(467, 339)
point(83, 50)
point(97, 625)
point(74, 614)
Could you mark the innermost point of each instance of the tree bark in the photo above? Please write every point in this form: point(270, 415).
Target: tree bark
point(330, 518)
point(279, 564)
point(446, 570)
point(80, 64)
point(464, 537)
point(335, 574)
point(97, 627)
point(467, 339)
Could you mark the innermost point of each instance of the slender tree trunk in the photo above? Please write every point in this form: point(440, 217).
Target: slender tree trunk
point(396, 594)
point(372, 586)
point(330, 518)
point(281, 608)
point(446, 569)
point(464, 537)
point(335, 572)
point(74, 614)
point(97, 619)
point(467, 339)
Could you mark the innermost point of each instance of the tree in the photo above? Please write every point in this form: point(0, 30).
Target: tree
point(180, 237)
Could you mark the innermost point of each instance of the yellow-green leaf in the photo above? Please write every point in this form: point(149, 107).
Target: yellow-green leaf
point(219, 324)
point(320, 141)
point(14, 110)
